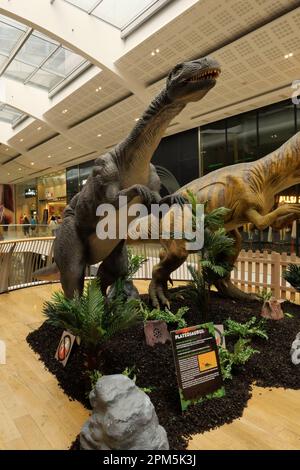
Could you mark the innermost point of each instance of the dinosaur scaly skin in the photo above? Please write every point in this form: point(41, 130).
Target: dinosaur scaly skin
point(249, 190)
point(124, 171)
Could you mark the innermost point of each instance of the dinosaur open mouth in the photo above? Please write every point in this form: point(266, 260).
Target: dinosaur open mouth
point(206, 75)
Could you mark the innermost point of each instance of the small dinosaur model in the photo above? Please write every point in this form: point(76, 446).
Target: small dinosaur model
point(249, 190)
point(124, 171)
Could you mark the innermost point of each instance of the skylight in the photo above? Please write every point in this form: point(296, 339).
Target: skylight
point(9, 114)
point(35, 59)
point(120, 13)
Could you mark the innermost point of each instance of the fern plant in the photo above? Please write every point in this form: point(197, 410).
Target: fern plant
point(213, 262)
point(242, 352)
point(91, 318)
point(134, 263)
point(164, 315)
point(292, 275)
point(244, 330)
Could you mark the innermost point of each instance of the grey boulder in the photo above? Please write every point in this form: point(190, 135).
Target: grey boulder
point(123, 417)
point(295, 350)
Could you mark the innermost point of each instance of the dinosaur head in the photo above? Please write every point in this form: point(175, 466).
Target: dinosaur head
point(190, 81)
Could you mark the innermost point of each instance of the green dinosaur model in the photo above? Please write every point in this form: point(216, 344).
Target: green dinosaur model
point(124, 171)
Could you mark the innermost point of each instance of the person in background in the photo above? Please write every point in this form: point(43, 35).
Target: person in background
point(33, 223)
point(53, 225)
point(26, 225)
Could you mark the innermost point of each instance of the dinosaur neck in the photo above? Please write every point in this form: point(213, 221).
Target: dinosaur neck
point(280, 169)
point(138, 148)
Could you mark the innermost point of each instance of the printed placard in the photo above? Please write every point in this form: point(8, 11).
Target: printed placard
point(64, 348)
point(197, 364)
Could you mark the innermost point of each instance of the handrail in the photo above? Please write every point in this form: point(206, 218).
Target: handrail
point(2, 242)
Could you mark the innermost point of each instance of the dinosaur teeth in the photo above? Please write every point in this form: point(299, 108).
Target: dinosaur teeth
point(212, 73)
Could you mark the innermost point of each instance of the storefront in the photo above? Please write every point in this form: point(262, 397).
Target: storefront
point(52, 196)
point(42, 198)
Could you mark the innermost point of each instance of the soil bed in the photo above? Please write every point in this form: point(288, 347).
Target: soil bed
point(154, 367)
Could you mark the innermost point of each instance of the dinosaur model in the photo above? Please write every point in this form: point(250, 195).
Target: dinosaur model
point(249, 190)
point(124, 171)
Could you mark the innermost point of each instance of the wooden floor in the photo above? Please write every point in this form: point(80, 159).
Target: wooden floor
point(36, 414)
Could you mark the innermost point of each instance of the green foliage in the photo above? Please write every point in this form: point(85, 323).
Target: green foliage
point(164, 315)
point(94, 376)
point(213, 263)
point(292, 275)
point(89, 316)
point(265, 294)
point(244, 330)
point(134, 263)
point(242, 352)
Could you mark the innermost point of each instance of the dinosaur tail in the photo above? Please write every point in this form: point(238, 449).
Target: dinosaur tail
point(50, 273)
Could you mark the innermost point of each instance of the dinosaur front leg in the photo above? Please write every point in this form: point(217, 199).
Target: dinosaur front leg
point(267, 220)
point(171, 256)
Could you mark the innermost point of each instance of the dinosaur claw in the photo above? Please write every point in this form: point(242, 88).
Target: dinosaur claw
point(158, 295)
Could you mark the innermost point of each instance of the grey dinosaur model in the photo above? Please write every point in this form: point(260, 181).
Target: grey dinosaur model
point(124, 171)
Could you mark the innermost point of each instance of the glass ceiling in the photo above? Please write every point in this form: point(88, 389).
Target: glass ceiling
point(9, 114)
point(119, 13)
point(35, 59)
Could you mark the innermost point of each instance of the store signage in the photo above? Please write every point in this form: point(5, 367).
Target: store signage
point(64, 348)
point(2, 352)
point(289, 199)
point(30, 192)
point(197, 364)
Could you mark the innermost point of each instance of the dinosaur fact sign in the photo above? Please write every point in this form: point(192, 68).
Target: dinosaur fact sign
point(197, 364)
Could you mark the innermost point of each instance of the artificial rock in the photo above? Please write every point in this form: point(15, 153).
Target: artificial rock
point(123, 418)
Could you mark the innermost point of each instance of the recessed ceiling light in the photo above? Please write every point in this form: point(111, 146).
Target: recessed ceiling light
point(98, 89)
point(8, 174)
point(157, 51)
point(287, 56)
point(64, 111)
point(21, 140)
point(39, 128)
point(20, 169)
point(152, 53)
point(137, 119)
point(99, 135)
point(49, 156)
point(32, 163)
point(69, 148)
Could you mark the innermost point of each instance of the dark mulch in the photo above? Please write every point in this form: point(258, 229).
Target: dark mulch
point(154, 367)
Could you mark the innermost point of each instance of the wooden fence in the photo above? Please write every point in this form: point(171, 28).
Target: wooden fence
point(255, 270)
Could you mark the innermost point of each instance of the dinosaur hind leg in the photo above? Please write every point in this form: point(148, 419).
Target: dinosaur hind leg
point(225, 286)
point(113, 267)
point(171, 257)
point(69, 255)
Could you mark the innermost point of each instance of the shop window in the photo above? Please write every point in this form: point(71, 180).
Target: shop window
point(72, 182)
point(178, 154)
point(276, 125)
point(242, 137)
point(84, 172)
point(213, 147)
point(298, 116)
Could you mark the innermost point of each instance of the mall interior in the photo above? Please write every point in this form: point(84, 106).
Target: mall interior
point(76, 77)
